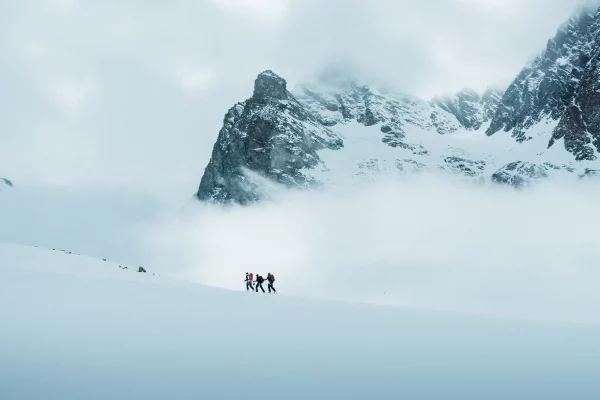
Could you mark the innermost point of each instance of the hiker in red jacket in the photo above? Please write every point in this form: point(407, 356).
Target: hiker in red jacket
point(249, 284)
point(271, 279)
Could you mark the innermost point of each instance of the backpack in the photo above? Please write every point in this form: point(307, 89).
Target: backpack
point(272, 278)
point(250, 276)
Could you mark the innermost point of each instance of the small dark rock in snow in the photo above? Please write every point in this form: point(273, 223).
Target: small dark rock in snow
point(591, 173)
point(104, 259)
point(141, 269)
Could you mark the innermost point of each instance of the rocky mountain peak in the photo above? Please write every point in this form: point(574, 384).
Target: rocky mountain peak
point(269, 85)
point(559, 86)
point(269, 136)
point(469, 108)
point(546, 85)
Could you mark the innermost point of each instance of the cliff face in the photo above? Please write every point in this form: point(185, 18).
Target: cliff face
point(560, 85)
point(269, 135)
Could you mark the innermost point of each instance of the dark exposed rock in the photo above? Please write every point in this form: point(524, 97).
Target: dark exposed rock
point(465, 167)
point(591, 173)
point(519, 174)
point(580, 123)
point(386, 129)
point(561, 84)
point(416, 149)
point(559, 168)
point(268, 136)
point(141, 269)
point(7, 182)
point(393, 139)
point(270, 86)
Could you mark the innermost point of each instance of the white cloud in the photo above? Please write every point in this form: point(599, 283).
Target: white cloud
point(425, 243)
point(195, 80)
point(72, 95)
point(61, 4)
point(271, 10)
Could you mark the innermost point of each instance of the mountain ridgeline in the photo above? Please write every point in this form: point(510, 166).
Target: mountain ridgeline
point(561, 84)
point(546, 122)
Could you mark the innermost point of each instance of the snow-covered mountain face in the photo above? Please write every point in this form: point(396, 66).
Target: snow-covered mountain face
point(469, 108)
point(562, 85)
point(348, 132)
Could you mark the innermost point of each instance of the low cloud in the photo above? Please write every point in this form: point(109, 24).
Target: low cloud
point(426, 243)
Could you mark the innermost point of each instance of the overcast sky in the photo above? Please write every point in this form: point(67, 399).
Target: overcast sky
point(133, 93)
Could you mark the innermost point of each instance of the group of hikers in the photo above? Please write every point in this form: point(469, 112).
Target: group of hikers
point(259, 281)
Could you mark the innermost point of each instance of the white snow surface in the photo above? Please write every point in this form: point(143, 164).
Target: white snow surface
point(75, 327)
point(365, 157)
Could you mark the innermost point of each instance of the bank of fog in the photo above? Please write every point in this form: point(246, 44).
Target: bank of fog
point(425, 243)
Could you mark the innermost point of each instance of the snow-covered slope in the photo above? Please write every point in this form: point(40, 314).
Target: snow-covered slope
point(75, 327)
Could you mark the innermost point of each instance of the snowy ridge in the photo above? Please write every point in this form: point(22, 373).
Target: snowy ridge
point(354, 101)
point(343, 131)
point(80, 328)
point(351, 133)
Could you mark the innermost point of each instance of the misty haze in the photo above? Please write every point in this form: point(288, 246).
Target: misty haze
point(300, 199)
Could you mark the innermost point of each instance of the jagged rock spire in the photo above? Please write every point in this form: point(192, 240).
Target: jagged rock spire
point(269, 85)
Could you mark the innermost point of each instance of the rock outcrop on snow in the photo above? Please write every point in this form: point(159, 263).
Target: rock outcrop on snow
point(462, 166)
point(520, 174)
point(270, 135)
point(5, 183)
point(591, 173)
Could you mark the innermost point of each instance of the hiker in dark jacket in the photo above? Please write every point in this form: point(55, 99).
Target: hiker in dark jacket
point(259, 282)
point(271, 279)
